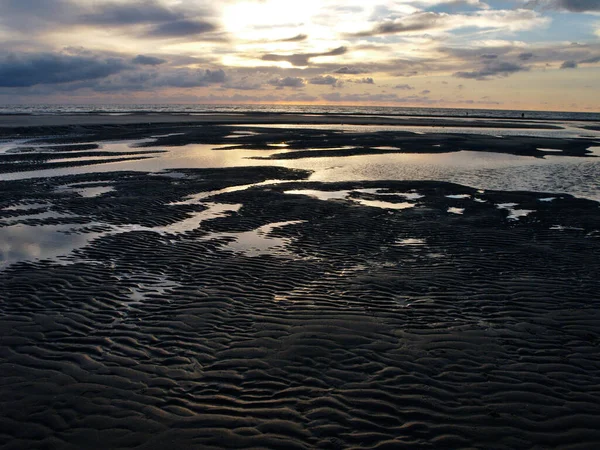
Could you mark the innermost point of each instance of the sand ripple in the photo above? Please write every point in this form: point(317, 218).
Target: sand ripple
point(376, 327)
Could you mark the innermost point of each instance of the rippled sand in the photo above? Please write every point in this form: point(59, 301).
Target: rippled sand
point(256, 307)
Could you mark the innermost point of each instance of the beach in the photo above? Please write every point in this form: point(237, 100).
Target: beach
point(299, 281)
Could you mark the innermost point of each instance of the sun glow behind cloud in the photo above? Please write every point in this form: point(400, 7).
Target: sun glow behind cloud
point(397, 52)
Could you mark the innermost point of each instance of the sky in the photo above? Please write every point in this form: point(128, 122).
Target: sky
point(499, 54)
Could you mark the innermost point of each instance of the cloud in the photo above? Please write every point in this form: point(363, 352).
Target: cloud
point(292, 82)
point(297, 38)
point(187, 78)
point(303, 59)
point(244, 84)
point(147, 60)
point(568, 5)
point(324, 80)
point(425, 92)
point(420, 22)
point(569, 65)
point(350, 70)
point(159, 19)
point(300, 97)
point(374, 98)
point(493, 69)
point(181, 28)
point(525, 56)
point(48, 68)
point(121, 14)
point(592, 60)
point(404, 87)
point(415, 22)
point(367, 80)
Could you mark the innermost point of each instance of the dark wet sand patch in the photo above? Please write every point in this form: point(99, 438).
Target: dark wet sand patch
point(485, 335)
point(25, 166)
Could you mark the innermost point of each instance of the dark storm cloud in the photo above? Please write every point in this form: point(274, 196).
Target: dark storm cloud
point(569, 65)
point(297, 38)
point(46, 68)
point(144, 60)
point(292, 82)
point(303, 59)
point(415, 22)
point(494, 69)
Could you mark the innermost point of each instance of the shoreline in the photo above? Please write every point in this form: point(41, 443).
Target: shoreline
point(26, 121)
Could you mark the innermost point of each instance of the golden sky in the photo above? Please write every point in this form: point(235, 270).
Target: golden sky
point(505, 54)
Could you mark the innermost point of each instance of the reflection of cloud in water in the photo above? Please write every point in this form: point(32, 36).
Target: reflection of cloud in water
point(21, 242)
point(26, 243)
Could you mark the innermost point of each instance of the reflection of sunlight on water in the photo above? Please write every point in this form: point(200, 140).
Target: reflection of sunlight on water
point(347, 195)
point(384, 205)
point(485, 170)
point(410, 241)
point(19, 242)
point(256, 242)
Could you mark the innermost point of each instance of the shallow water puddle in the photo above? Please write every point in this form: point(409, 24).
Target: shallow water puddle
point(347, 195)
point(20, 242)
point(321, 195)
point(550, 150)
point(196, 198)
point(514, 214)
point(213, 211)
point(565, 228)
point(257, 242)
point(39, 242)
point(384, 205)
point(26, 206)
point(410, 242)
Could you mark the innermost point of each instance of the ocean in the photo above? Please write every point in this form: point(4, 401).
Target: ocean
point(294, 109)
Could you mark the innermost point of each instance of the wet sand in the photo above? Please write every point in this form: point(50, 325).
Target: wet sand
point(16, 121)
point(247, 307)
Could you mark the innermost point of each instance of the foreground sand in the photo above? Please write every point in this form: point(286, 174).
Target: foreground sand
point(393, 315)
